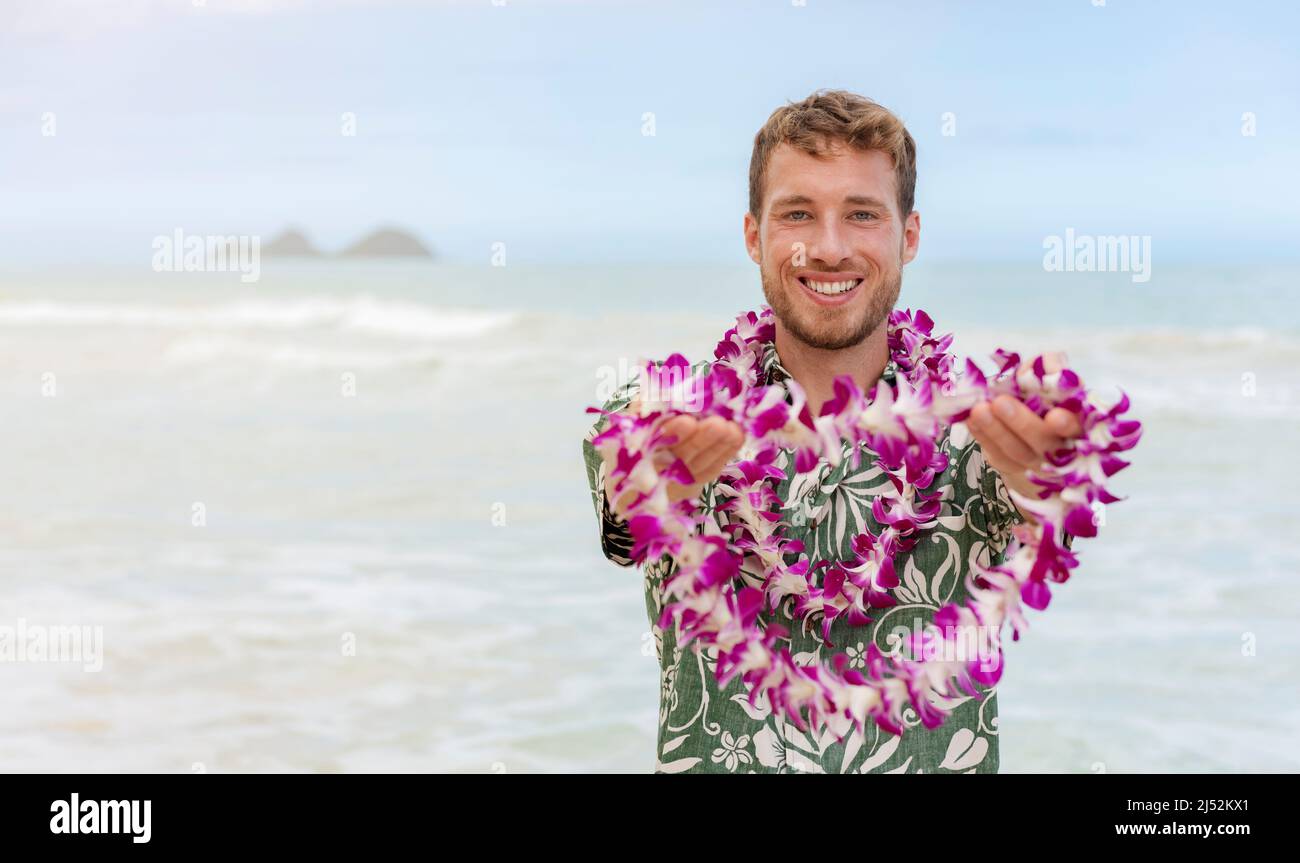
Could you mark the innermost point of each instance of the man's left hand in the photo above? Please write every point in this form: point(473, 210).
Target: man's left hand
point(1016, 440)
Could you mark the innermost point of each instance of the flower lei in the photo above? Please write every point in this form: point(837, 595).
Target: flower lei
point(902, 425)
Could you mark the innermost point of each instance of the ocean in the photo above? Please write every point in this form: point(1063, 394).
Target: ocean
point(337, 519)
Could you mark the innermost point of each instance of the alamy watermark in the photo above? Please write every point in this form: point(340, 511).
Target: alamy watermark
point(34, 642)
point(211, 253)
point(679, 387)
point(1098, 254)
point(926, 641)
point(128, 817)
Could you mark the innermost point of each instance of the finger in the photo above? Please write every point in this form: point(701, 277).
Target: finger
point(1063, 423)
point(1026, 425)
point(681, 430)
point(709, 463)
point(992, 428)
point(993, 455)
point(705, 436)
point(708, 433)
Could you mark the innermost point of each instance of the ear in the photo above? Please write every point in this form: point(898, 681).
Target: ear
point(752, 243)
point(911, 236)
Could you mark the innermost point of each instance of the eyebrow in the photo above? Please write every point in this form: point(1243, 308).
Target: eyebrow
point(802, 200)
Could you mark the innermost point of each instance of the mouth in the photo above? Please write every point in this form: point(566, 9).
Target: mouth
point(830, 289)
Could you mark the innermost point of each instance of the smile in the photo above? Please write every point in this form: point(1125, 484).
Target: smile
point(829, 287)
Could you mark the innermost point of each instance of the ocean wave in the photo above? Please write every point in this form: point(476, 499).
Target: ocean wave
point(1137, 340)
point(363, 315)
point(200, 351)
point(1196, 340)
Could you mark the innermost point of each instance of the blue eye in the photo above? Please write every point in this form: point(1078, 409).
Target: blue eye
point(797, 213)
point(863, 213)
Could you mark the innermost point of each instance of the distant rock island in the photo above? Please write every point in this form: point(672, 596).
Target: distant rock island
point(291, 243)
point(387, 243)
point(381, 243)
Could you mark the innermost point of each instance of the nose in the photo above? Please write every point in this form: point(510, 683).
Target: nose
point(829, 246)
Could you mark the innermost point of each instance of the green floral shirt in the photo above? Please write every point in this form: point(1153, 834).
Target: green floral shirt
point(707, 729)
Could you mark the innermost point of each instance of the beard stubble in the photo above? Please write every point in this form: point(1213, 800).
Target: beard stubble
point(825, 329)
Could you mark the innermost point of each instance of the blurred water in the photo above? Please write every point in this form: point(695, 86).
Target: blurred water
point(437, 518)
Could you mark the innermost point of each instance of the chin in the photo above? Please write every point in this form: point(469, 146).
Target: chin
point(837, 317)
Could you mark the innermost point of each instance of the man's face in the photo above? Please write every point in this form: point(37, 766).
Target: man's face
point(831, 243)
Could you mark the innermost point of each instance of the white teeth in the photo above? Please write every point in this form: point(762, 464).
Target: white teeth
point(831, 287)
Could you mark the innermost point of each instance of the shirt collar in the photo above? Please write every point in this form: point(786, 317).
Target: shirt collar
point(775, 373)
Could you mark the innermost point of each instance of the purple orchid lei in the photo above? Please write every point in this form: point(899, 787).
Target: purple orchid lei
point(902, 425)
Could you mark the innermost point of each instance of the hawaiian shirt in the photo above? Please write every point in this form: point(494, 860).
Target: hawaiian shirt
point(704, 728)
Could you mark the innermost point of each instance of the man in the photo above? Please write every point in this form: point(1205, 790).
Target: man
point(831, 225)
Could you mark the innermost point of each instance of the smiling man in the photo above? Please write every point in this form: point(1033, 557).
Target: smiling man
point(831, 225)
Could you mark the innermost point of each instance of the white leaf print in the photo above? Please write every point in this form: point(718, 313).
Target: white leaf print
point(768, 748)
point(678, 766)
point(758, 710)
point(851, 748)
point(840, 519)
point(795, 737)
point(915, 591)
point(674, 743)
point(955, 522)
point(902, 768)
point(802, 763)
point(827, 739)
point(948, 703)
point(974, 467)
point(882, 753)
point(964, 750)
point(950, 562)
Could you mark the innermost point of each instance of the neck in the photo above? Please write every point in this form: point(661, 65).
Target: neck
point(816, 369)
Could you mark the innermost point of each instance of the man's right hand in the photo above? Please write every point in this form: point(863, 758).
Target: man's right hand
point(706, 446)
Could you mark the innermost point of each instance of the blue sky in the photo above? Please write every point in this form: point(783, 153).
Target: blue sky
point(523, 123)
